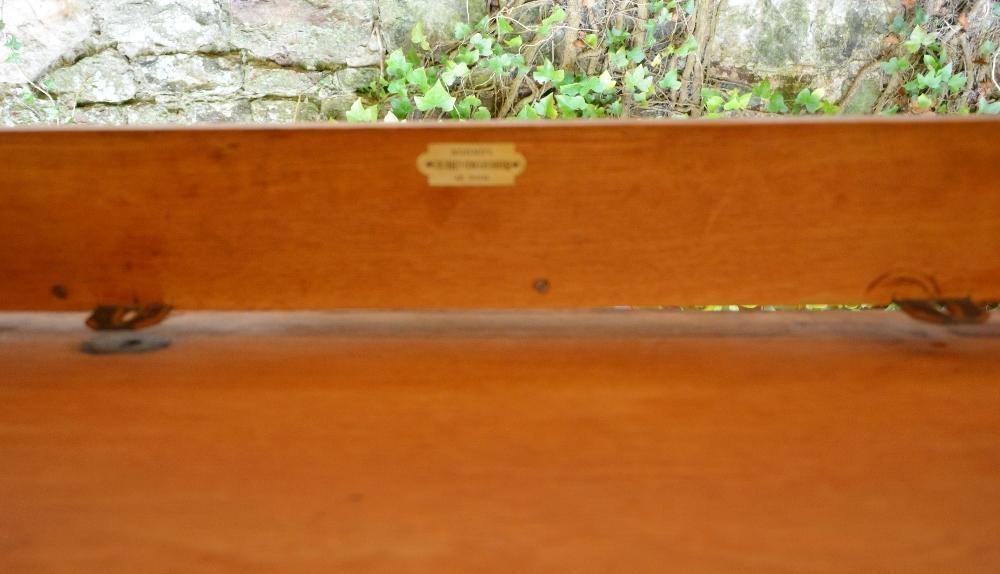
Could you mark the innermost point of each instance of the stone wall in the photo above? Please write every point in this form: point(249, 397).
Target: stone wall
point(185, 61)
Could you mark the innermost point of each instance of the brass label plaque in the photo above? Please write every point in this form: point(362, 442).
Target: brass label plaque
point(471, 164)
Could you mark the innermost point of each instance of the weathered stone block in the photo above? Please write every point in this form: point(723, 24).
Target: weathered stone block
point(99, 115)
point(49, 31)
point(140, 27)
point(284, 111)
point(354, 79)
point(104, 78)
point(821, 43)
point(271, 81)
point(150, 114)
point(184, 75)
point(313, 34)
point(229, 111)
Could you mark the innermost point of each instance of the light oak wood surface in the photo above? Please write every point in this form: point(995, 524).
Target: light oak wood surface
point(556, 442)
point(604, 214)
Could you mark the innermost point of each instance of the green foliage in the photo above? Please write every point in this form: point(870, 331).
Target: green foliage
point(361, 113)
point(436, 98)
point(469, 75)
point(547, 73)
point(670, 81)
point(418, 37)
point(985, 107)
point(928, 75)
point(11, 52)
point(919, 39)
point(895, 65)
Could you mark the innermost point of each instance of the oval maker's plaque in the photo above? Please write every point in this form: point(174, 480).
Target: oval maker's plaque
point(471, 164)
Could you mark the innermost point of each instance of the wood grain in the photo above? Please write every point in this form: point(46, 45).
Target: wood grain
point(607, 213)
point(503, 443)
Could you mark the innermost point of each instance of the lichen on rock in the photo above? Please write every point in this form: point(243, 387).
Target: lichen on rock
point(826, 41)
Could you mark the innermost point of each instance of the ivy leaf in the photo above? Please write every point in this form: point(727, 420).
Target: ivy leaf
point(528, 113)
point(462, 30)
point(924, 102)
point(503, 26)
point(401, 107)
point(712, 100)
point(500, 64)
point(650, 33)
point(578, 88)
point(556, 17)
point(738, 101)
point(898, 25)
point(481, 113)
point(397, 88)
point(390, 118)
point(617, 38)
point(689, 46)
point(810, 100)
point(895, 65)
point(591, 40)
point(930, 81)
point(605, 83)
point(618, 59)
point(636, 55)
point(436, 98)
point(418, 37)
point(919, 38)
point(763, 90)
point(776, 104)
point(515, 42)
point(482, 44)
point(956, 83)
point(418, 77)
point(397, 66)
point(465, 108)
point(467, 56)
point(359, 113)
point(546, 108)
point(571, 104)
point(13, 48)
point(548, 73)
point(670, 81)
point(639, 82)
point(986, 107)
point(454, 72)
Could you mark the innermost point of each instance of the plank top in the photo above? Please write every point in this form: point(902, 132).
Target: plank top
point(498, 443)
point(603, 214)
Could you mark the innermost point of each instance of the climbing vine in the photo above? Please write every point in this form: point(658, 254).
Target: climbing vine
point(644, 59)
point(936, 67)
point(636, 62)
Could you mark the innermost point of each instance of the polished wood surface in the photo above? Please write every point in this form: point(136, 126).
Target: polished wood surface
point(605, 214)
point(580, 442)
